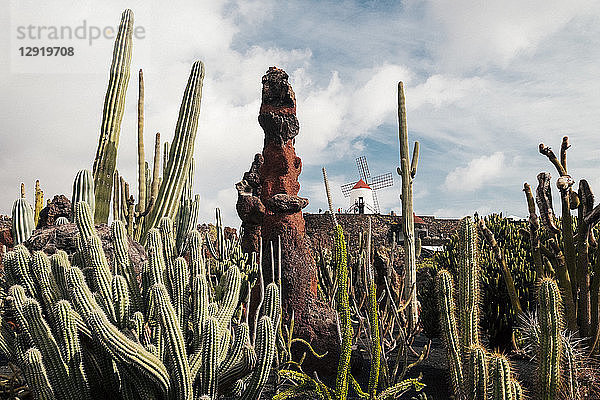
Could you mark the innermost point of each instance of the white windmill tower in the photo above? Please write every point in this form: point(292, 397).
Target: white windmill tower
point(363, 194)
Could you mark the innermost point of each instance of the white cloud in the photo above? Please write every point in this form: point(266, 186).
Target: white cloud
point(480, 78)
point(478, 172)
point(483, 33)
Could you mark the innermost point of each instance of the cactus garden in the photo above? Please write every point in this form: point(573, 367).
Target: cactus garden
point(119, 288)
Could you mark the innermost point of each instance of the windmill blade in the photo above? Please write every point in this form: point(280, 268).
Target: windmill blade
point(363, 169)
point(376, 202)
point(347, 188)
point(382, 181)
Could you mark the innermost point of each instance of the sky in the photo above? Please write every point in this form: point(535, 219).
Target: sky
point(485, 83)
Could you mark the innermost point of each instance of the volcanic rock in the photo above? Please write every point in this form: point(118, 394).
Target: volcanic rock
point(249, 207)
point(270, 208)
point(286, 204)
point(60, 206)
point(63, 237)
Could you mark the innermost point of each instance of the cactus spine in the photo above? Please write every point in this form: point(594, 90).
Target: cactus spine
point(114, 105)
point(551, 347)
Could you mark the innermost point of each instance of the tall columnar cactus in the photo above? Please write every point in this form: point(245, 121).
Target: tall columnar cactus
point(112, 114)
point(328, 193)
point(551, 346)
point(342, 298)
point(39, 201)
point(444, 291)
point(140, 141)
point(477, 373)
point(23, 222)
point(468, 285)
point(467, 359)
point(83, 190)
point(408, 171)
point(502, 387)
point(265, 350)
point(181, 153)
point(35, 372)
point(374, 327)
point(156, 167)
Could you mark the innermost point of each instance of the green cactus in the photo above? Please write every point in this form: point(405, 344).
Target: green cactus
point(121, 300)
point(517, 390)
point(61, 221)
point(18, 271)
point(210, 360)
point(23, 222)
point(181, 153)
point(341, 263)
point(468, 286)
point(197, 265)
point(181, 381)
point(199, 302)
point(550, 348)
point(500, 374)
point(497, 314)
point(468, 361)
point(83, 190)
point(375, 337)
point(477, 373)
point(39, 202)
point(265, 351)
point(444, 291)
point(112, 114)
point(35, 372)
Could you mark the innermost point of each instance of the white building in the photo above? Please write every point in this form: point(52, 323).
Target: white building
point(361, 199)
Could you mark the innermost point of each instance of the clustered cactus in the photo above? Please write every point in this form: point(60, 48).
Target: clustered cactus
point(79, 329)
point(499, 313)
point(474, 373)
point(380, 374)
point(157, 197)
point(562, 247)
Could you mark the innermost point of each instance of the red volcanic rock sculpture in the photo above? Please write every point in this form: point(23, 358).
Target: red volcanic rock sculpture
point(269, 206)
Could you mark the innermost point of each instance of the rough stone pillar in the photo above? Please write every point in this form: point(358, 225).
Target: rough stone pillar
point(281, 215)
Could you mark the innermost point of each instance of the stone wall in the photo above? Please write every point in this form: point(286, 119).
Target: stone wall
point(319, 229)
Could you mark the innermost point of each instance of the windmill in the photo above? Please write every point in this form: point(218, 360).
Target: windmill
point(375, 183)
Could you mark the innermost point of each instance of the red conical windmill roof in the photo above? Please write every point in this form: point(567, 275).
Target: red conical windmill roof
point(361, 185)
point(418, 220)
